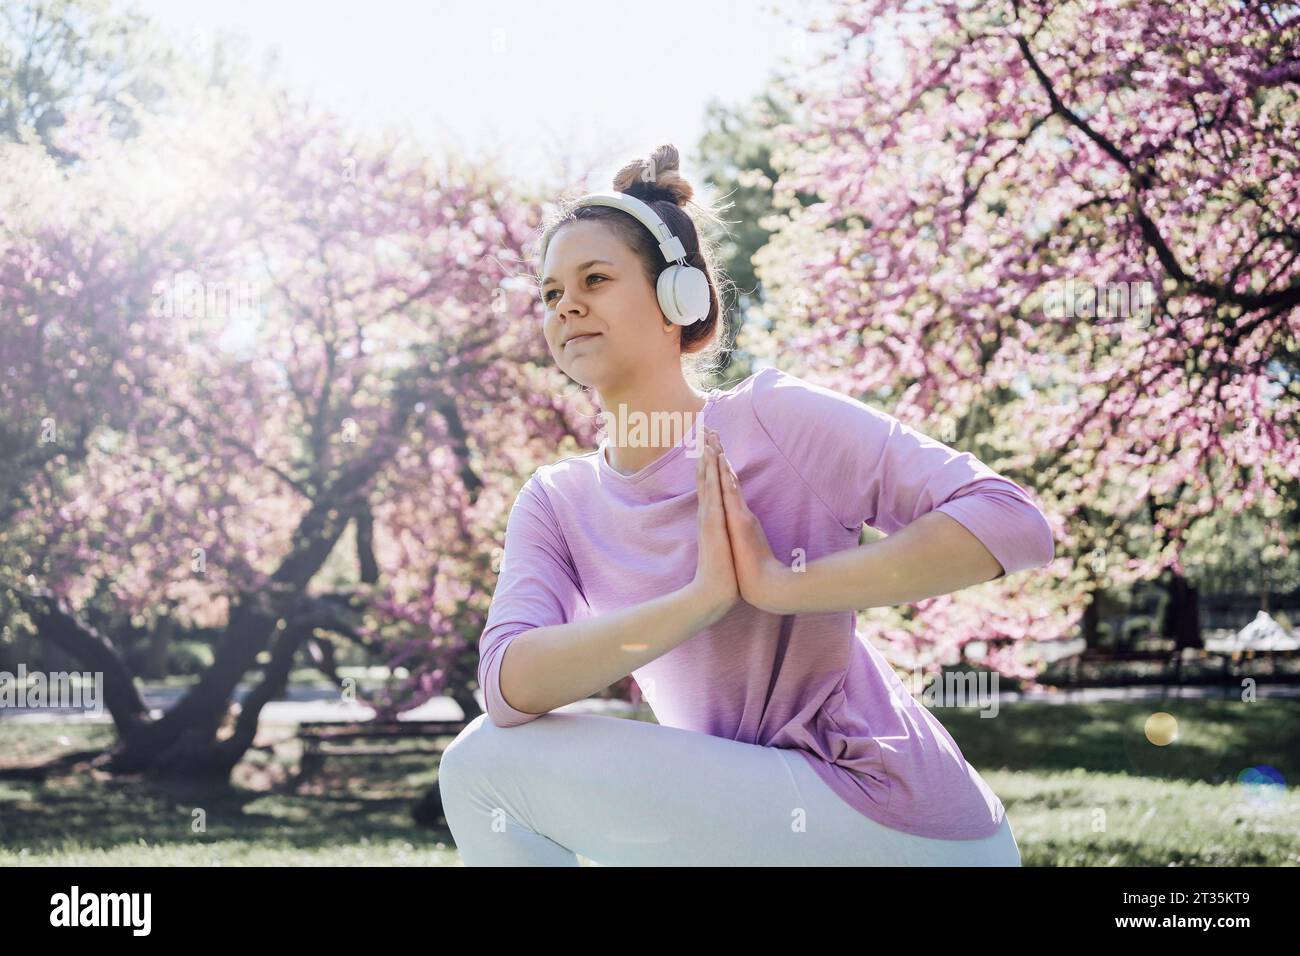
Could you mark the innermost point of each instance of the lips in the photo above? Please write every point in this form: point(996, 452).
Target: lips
point(581, 338)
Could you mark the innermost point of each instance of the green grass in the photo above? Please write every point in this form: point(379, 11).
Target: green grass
point(357, 813)
point(1081, 783)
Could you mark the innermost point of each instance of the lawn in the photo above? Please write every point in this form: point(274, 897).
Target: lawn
point(1084, 787)
point(1081, 783)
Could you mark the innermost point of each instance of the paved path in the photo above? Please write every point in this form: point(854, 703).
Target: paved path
point(298, 704)
point(311, 704)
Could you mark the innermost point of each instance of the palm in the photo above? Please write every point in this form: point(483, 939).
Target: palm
point(752, 555)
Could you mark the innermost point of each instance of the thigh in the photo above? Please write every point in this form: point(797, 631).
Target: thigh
point(629, 792)
point(862, 841)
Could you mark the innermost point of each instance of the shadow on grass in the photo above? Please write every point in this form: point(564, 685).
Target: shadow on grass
point(1216, 739)
point(357, 802)
point(1058, 767)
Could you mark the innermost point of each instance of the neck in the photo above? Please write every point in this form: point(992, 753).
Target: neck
point(646, 419)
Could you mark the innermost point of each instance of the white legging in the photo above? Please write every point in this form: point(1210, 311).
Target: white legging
point(624, 792)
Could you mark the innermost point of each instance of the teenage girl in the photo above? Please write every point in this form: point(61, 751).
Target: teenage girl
point(722, 569)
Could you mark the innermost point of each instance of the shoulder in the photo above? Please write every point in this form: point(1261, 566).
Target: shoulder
point(552, 493)
point(787, 404)
point(537, 516)
point(564, 475)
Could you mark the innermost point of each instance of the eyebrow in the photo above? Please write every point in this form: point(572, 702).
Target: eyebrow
point(591, 262)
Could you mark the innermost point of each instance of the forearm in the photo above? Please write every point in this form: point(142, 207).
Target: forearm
point(933, 555)
point(548, 667)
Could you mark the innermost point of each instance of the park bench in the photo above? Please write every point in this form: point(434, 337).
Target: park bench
point(1232, 670)
point(1172, 660)
point(336, 738)
point(1166, 658)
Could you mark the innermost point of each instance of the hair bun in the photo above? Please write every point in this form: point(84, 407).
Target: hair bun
point(655, 178)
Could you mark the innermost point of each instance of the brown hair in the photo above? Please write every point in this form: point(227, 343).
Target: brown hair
point(657, 182)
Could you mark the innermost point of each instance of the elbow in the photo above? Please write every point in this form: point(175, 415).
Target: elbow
point(1045, 551)
point(1034, 547)
point(504, 714)
point(1038, 540)
point(499, 710)
point(508, 717)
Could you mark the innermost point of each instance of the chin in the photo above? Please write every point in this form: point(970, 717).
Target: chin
point(585, 378)
point(588, 374)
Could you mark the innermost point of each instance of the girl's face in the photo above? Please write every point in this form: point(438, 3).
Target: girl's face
point(593, 285)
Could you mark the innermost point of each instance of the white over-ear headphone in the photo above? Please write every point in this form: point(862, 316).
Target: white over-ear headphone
point(683, 290)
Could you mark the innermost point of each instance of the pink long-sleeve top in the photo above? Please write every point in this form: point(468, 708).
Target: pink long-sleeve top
point(583, 539)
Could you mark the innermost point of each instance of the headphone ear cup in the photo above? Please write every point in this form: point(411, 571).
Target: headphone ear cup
point(683, 293)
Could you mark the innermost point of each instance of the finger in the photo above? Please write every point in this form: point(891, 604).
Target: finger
point(731, 484)
point(723, 494)
point(713, 481)
point(728, 485)
point(721, 475)
point(728, 472)
point(719, 497)
point(701, 488)
point(730, 506)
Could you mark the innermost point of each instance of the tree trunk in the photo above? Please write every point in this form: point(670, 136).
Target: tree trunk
point(1091, 618)
point(184, 740)
point(160, 641)
point(92, 651)
point(1182, 617)
point(460, 693)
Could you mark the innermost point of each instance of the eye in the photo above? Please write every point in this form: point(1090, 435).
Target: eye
point(546, 297)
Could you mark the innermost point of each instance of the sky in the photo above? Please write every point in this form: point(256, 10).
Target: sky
point(551, 89)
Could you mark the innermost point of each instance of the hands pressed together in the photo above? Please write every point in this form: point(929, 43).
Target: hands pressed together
point(735, 559)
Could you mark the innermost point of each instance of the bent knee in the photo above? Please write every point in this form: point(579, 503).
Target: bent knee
point(478, 748)
point(483, 747)
point(463, 747)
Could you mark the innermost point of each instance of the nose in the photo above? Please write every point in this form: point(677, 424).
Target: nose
point(565, 303)
point(564, 310)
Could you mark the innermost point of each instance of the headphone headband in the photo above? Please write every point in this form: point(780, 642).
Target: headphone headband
point(682, 290)
point(669, 245)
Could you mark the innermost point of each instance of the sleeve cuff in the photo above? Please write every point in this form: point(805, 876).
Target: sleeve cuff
point(1013, 529)
point(499, 711)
